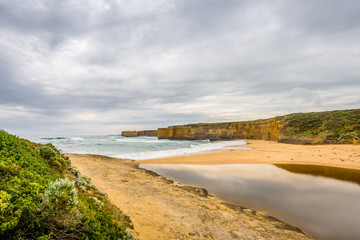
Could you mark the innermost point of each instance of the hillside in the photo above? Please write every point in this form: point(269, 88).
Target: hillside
point(43, 197)
point(299, 128)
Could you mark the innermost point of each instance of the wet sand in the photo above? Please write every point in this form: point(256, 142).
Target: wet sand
point(344, 156)
point(162, 209)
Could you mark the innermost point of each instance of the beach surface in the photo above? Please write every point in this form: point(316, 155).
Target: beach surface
point(163, 209)
point(260, 151)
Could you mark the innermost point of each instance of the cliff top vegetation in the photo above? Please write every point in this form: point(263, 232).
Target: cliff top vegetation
point(333, 126)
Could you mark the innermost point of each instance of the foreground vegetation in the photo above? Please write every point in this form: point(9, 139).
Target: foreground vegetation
point(43, 197)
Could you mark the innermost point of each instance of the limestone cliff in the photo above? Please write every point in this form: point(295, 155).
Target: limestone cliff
point(129, 134)
point(299, 128)
point(148, 133)
point(269, 129)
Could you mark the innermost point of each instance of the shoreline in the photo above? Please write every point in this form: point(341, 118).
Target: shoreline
point(270, 152)
point(169, 210)
point(165, 209)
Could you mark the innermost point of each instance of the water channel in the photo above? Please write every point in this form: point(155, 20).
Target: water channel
point(323, 201)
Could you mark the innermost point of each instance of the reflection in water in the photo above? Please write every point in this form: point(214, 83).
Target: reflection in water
point(323, 207)
point(343, 174)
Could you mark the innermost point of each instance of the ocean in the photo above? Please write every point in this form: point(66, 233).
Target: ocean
point(136, 148)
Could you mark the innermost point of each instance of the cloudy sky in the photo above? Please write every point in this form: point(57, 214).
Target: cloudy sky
point(101, 66)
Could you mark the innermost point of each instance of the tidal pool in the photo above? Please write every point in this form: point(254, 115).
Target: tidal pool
point(323, 201)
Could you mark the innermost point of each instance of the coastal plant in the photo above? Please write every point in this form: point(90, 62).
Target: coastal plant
point(38, 202)
point(81, 181)
point(4, 200)
point(100, 203)
point(47, 152)
point(84, 182)
point(6, 221)
point(98, 191)
point(60, 197)
point(333, 126)
point(128, 236)
point(59, 209)
point(73, 170)
point(53, 157)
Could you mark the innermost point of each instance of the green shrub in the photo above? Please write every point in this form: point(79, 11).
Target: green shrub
point(47, 152)
point(53, 157)
point(4, 200)
point(60, 197)
point(37, 203)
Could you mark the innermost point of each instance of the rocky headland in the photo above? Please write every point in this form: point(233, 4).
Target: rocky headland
point(332, 127)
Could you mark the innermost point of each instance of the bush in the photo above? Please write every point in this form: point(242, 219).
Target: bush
point(4, 200)
point(30, 210)
point(47, 152)
point(60, 197)
point(53, 157)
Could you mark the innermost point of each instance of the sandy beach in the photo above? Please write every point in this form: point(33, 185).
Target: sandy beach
point(340, 155)
point(164, 209)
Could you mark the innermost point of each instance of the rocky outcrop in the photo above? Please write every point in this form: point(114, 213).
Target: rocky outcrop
point(299, 128)
point(149, 133)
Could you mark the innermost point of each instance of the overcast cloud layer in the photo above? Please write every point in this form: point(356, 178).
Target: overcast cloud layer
point(102, 66)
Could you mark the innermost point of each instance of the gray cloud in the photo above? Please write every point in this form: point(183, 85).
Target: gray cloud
point(103, 66)
point(323, 17)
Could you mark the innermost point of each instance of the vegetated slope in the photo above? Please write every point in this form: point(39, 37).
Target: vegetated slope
point(43, 197)
point(327, 127)
point(301, 128)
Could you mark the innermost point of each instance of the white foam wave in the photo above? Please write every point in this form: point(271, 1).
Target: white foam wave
point(153, 140)
point(182, 151)
point(138, 140)
point(77, 139)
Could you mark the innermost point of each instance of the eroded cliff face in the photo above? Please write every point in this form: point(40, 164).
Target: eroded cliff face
point(149, 133)
point(269, 129)
point(310, 128)
point(129, 134)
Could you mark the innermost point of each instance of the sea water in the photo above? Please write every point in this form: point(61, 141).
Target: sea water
point(136, 148)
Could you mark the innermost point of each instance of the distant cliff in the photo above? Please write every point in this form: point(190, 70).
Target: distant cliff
point(149, 133)
point(299, 128)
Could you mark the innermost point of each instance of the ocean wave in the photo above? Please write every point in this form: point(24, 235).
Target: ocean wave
point(77, 139)
point(201, 148)
point(55, 138)
point(138, 140)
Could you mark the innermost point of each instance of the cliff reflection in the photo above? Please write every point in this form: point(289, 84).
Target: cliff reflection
point(343, 174)
point(315, 200)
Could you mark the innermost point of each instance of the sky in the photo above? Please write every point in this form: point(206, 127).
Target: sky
point(102, 66)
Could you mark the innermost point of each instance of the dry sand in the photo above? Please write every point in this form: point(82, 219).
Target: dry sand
point(344, 156)
point(162, 209)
